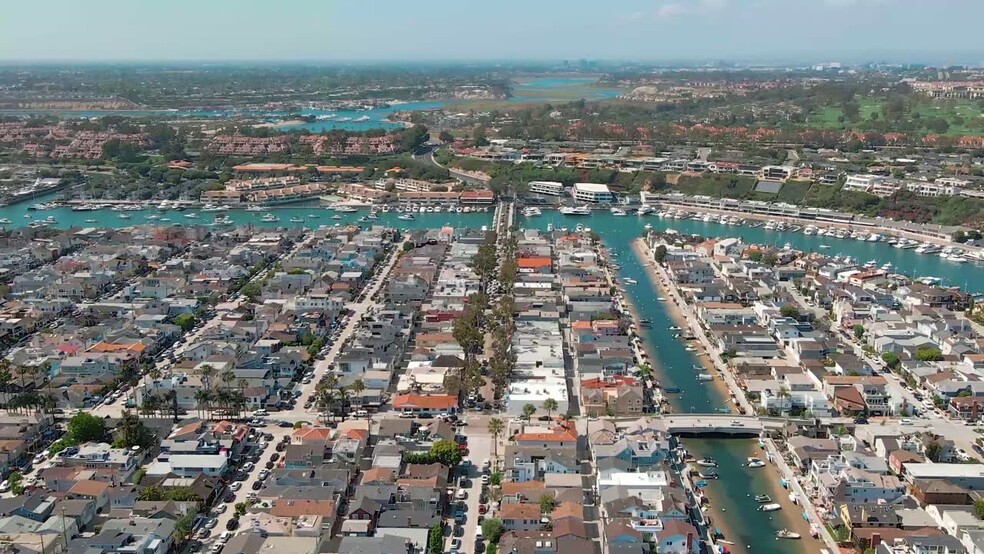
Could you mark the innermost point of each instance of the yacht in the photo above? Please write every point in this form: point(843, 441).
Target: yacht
point(406, 217)
point(336, 216)
point(644, 210)
point(254, 209)
point(312, 216)
point(618, 211)
point(705, 377)
point(269, 218)
point(579, 210)
point(50, 220)
point(211, 208)
point(810, 230)
point(629, 281)
point(531, 211)
point(372, 215)
point(787, 534)
point(875, 237)
point(928, 248)
point(958, 258)
point(386, 209)
point(770, 507)
point(648, 227)
point(346, 209)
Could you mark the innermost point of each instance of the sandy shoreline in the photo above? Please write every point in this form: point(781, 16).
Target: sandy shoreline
point(718, 384)
point(276, 124)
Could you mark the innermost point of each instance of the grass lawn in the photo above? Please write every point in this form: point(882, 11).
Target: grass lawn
point(729, 186)
point(793, 192)
point(826, 117)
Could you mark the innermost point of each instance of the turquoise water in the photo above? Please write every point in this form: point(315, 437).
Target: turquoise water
point(674, 363)
point(735, 491)
point(533, 90)
point(375, 121)
point(311, 216)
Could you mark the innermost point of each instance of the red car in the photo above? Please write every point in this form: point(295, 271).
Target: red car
point(482, 509)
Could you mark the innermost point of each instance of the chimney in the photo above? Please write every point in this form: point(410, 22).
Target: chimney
point(875, 540)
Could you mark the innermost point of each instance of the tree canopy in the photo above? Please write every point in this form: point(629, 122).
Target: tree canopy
point(85, 427)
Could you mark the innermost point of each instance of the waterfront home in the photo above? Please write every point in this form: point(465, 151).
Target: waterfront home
point(616, 395)
point(526, 463)
point(805, 449)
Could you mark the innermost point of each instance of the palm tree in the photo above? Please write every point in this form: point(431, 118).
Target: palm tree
point(207, 371)
point(228, 376)
point(6, 377)
point(343, 396)
point(550, 405)
point(243, 385)
point(45, 368)
point(202, 396)
point(357, 388)
point(782, 394)
point(325, 398)
point(496, 428)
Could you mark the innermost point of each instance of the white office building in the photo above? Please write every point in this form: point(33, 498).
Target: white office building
point(863, 183)
point(550, 188)
point(592, 192)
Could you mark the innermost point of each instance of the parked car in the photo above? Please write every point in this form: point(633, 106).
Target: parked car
point(235, 486)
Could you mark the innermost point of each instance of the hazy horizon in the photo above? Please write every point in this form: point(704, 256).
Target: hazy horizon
point(509, 31)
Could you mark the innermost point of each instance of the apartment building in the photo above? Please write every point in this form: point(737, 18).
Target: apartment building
point(592, 192)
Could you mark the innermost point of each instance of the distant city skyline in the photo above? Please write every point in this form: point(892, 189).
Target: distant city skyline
point(806, 31)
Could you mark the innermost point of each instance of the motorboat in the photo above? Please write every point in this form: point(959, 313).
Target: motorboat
point(709, 473)
point(707, 462)
point(629, 281)
point(755, 463)
point(671, 390)
point(648, 226)
point(336, 216)
point(618, 211)
point(254, 209)
point(346, 209)
point(405, 217)
point(297, 219)
point(269, 218)
point(532, 211)
point(124, 216)
point(770, 507)
point(579, 210)
point(763, 498)
point(191, 215)
point(4, 221)
point(787, 534)
point(705, 377)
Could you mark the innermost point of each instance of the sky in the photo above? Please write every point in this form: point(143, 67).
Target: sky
point(933, 31)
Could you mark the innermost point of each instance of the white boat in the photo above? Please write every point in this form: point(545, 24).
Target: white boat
point(361, 118)
point(269, 218)
point(191, 215)
point(648, 227)
point(124, 216)
point(297, 219)
point(550, 227)
point(707, 462)
point(579, 210)
point(787, 534)
point(705, 377)
point(531, 211)
point(254, 209)
point(629, 281)
point(336, 216)
point(346, 209)
point(90, 221)
point(312, 216)
point(405, 217)
point(618, 211)
point(770, 507)
point(755, 463)
point(4, 221)
point(644, 210)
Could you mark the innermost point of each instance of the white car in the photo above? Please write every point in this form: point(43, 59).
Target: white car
point(5, 486)
point(235, 486)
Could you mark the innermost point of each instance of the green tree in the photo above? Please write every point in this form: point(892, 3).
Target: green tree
point(492, 529)
point(185, 321)
point(789, 310)
point(659, 253)
point(979, 508)
point(446, 452)
point(858, 331)
point(445, 137)
point(132, 432)
point(929, 354)
point(529, 410)
point(85, 427)
point(546, 503)
point(251, 290)
point(933, 451)
point(496, 428)
point(891, 359)
point(549, 405)
point(435, 539)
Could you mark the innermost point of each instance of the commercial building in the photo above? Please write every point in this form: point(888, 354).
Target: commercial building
point(550, 188)
point(592, 192)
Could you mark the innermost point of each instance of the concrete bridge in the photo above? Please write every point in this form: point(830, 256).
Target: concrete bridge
point(720, 424)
